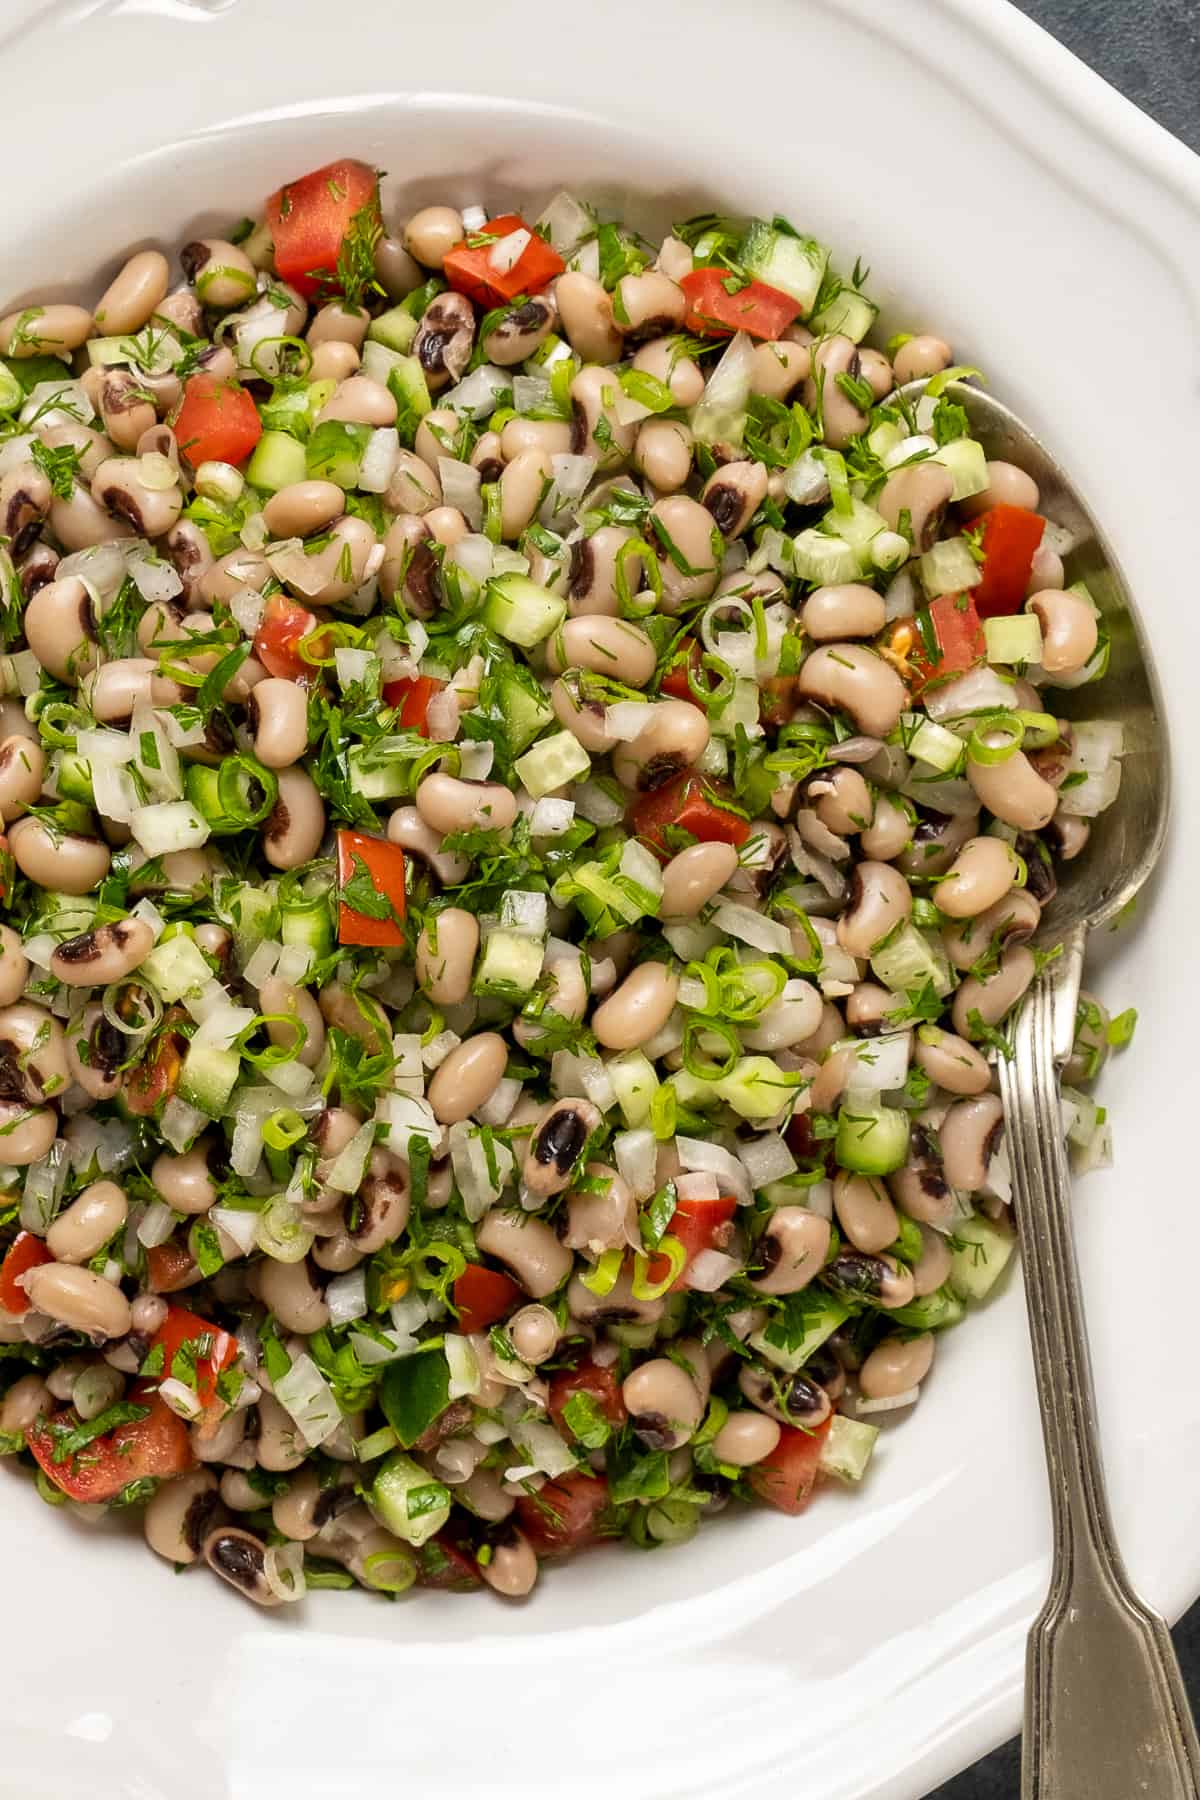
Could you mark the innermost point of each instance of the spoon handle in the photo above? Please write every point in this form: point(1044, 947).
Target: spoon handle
point(1106, 1713)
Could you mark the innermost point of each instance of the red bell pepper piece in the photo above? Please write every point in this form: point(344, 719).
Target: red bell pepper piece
point(713, 311)
point(470, 269)
point(481, 1296)
point(787, 1477)
point(372, 872)
point(211, 1348)
point(310, 220)
point(959, 638)
point(1008, 537)
point(276, 642)
point(698, 1225)
point(412, 694)
point(598, 1381)
point(217, 421)
point(690, 804)
point(156, 1445)
point(24, 1253)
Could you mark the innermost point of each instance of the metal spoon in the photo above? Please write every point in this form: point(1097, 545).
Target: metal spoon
point(1106, 1713)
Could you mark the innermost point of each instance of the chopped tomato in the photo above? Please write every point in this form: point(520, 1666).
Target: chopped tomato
point(787, 1477)
point(598, 1381)
point(371, 889)
point(689, 803)
point(310, 220)
point(25, 1252)
point(157, 1445)
point(699, 1225)
point(209, 1346)
point(412, 695)
point(563, 1514)
point(170, 1267)
point(715, 311)
point(779, 696)
point(473, 272)
point(277, 641)
point(953, 624)
point(217, 422)
point(481, 1296)
point(156, 1077)
point(448, 1565)
point(675, 681)
point(1009, 535)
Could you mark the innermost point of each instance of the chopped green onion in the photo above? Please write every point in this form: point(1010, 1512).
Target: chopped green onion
point(603, 1278)
point(642, 1287)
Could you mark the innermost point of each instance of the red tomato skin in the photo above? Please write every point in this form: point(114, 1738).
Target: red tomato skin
point(765, 312)
point(675, 682)
point(217, 422)
point(285, 622)
point(181, 1325)
point(158, 1445)
point(385, 865)
point(575, 1503)
point(683, 802)
point(309, 219)
point(960, 639)
point(459, 1574)
point(482, 1296)
point(587, 1377)
point(471, 273)
point(786, 1478)
point(699, 1225)
point(412, 695)
point(1009, 537)
point(25, 1252)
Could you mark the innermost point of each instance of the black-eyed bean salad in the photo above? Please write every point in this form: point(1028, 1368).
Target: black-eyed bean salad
point(528, 774)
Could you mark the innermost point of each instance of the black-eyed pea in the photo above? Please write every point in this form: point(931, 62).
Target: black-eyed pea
point(556, 1145)
point(431, 234)
point(105, 954)
point(1007, 486)
point(638, 1009)
point(1012, 790)
point(986, 1001)
point(686, 537)
point(516, 335)
point(864, 1211)
point(181, 1515)
point(733, 494)
point(879, 900)
point(844, 803)
point(81, 521)
point(134, 295)
point(414, 488)
point(448, 804)
point(875, 369)
point(292, 833)
point(648, 305)
point(951, 1062)
point(529, 1249)
point(59, 629)
point(444, 340)
point(585, 312)
point(663, 453)
point(846, 610)
point(78, 1298)
point(290, 1293)
point(895, 1366)
point(445, 955)
point(22, 770)
point(277, 718)
point(1069, 630)
point(746, 1438)
point(594, 393)
point(980, 875)
point(303, 508)
point(522, 484)
point(554, 436)
point(856, 680)
point(151, 501)
point(360, 400)
point(337, 323)
point(333, 361)
point(778, 368)
point(62, 860)
point(124, 407)
point(221, 273)
point(791, 1251)
point(618, 648)
point(468, 1077)
point(694, 876)
point(45, 331)
point(512, 1567)
point(86, 1225)
point(592, 574)
point(921, 356)
point(25, 495)
point(969, 1136)
point(932, 1268)
point(841, 417)
point(666, 359)
point(917, 496)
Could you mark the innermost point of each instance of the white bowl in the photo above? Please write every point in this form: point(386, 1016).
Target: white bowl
point(1009, 200)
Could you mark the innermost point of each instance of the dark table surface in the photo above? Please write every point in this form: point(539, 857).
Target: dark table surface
point(1150, 50)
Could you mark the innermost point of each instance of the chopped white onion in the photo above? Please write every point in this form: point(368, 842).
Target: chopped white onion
point(474, 555)
point(880, 1064)
point(295, 961)
point(149, 915)
point(709, 1270)
point(350, 1164)
point(460, 488)
point(597, 805)
point(478, 393)
point(477, 756)
point(346, 1296)
point(260, 965)
point(380, 459)
point(751, 927)
point(530, 392)
point(307, 1396)
point(702, 1185)
point(171, 825)
point(544, 1449)
point(565, 223)
point(552, 818)
point(154, 579)
point(641, 865)
point(766, 1158)
point(353, 667)
point(806, 481)
point(442, 716)
point(157, 1225)
point(181, 1399)
point(719, 415)
point(506, 252)
point(43, 1190)
point(181, 1123)
point(497, 1109)
point(819, 1199)
point(465, 1377)
point(889, 1403)
point(435, 1052)
point(480, 1180)
point(901, 596)
point(627, 719)
point(245, 1152)
point(637, 1159)
point(696, 1153)
point(238, 1223)
point(980, 690)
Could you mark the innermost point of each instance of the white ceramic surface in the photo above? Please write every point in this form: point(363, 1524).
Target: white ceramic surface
point(1008, 199)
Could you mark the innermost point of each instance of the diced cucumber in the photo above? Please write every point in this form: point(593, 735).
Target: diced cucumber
point(635, 1085)
point(985, 1249)
point(278, 462)
point(871, 1139)
point(948, 568)
point(848, 1448)
point(73, 777)
point(858, 528)
point(756, 1088)
point(175, 967)
point(509, 965)
point(553, 763)
point(966, 463)
point(823, 1315)
point(104, 353)
point(691, 1090)
point(794, 264)
point(12, 394)
point(395, 328)
point(849, 313)
point(523, 707)
point(908, 960)
point(822, 559)
point(334, 452)
point(521, 611)
point(309, 924)
point(928, 742)
point(208, 1075)
point(252, 913)
point(408, 387)
point(407, 1501)
point(1016, 638)
point(376, 775)
point(932, 1312)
